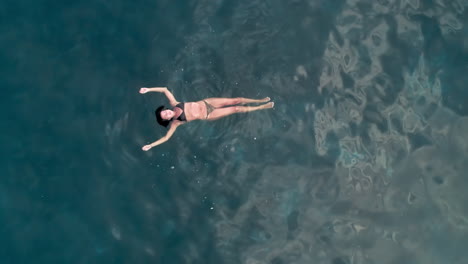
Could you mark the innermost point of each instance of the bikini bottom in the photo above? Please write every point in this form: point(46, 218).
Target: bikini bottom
point(209, 109)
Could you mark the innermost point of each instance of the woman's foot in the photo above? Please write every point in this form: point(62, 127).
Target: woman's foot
point(268, 105)
point(253, 101)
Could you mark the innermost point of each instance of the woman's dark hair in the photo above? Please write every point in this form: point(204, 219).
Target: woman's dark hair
point(161, 121)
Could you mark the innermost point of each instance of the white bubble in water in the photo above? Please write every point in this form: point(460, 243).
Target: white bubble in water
point(149, 251)
point(116, 233)
point(301, 72)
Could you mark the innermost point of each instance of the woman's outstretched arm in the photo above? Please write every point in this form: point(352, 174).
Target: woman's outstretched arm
point(164, 90)
point(169, 134)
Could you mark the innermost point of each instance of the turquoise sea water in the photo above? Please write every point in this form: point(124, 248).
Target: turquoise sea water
point(363, 159)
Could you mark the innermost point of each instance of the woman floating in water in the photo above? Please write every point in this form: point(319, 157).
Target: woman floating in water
point(207, 109)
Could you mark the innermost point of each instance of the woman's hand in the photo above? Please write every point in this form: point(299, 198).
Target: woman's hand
point(146, 147)
point(154, 89)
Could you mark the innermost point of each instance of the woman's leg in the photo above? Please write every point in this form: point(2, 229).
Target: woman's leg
point(220, 102)
point(222, 112)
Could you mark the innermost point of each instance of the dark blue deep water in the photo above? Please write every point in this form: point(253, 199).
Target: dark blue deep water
point(363, 160)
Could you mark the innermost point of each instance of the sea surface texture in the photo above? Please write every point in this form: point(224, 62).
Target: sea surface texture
point(363, 159)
